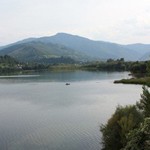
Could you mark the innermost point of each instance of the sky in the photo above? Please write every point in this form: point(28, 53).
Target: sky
point(119, 21)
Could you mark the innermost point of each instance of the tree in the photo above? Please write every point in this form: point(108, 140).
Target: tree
point(139, 139)
point(118, 126)
point(144, 104)
point(148, 68)
point(139, 68)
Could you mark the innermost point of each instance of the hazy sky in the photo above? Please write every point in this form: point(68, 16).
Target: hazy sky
point(121, 21)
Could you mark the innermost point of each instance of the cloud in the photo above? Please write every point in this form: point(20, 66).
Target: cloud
point(116, 20)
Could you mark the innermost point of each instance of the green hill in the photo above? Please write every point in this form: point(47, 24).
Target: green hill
point(38, 51)
point(73, 47)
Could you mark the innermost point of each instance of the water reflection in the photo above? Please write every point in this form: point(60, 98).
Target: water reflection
point(63, 76)
point(37, 114)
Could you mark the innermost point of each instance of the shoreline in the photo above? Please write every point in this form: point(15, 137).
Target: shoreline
point(140, 81)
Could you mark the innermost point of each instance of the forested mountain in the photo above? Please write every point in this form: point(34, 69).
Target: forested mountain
point(73, 47)
point(96, 49)
point(38, 51)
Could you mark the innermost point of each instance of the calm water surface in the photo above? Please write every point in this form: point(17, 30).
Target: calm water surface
point(39, 112)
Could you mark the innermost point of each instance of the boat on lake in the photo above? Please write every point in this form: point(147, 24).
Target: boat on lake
point(67, 83)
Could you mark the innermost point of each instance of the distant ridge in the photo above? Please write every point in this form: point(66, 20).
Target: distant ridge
point(74, 47)
point(139, 47)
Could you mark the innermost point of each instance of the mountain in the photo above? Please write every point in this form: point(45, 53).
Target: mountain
point(140, 48)
point(74, 47)
point(143, 49)
point(96, 49)
point(146, 56)
point(36, 51)
point(2, 47)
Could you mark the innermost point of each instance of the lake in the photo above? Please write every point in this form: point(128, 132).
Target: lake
point(40, 112)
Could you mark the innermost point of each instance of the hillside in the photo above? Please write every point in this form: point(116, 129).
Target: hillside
point(140, 48)
point(146, 56)
point(38, 51)
point(96, 49)
point(74, 47)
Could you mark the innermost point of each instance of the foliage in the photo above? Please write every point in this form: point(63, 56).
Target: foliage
point(129, 127)
point(142, 81)
point(144, 103)
point(141, 73)
point(148, 68)
point(8, 64)
point(139, 139)
point(121, 123)
point(7, 60)
point(34, 66)
point(139, 67)
point(109, 65)
point(57, 60)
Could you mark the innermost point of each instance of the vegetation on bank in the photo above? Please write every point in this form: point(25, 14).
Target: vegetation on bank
point(141, 80)
point(60, 67)
point(109, 65)
point(137, 68)
point(140, 72)
point(129, 126)
point(10, 65)
point(131, 134)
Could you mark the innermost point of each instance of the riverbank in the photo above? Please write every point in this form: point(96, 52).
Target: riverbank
point(141, 81)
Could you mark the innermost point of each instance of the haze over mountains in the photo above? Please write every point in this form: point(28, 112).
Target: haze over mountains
point(73, 47)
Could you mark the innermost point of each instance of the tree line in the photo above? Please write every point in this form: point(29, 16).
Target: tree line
point(141, 68)
point(129, 126)
point(138, 68)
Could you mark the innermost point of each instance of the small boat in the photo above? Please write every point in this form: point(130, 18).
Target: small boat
point(67, 83)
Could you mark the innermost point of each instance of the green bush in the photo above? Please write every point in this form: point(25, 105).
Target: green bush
point(139, 139)
point(144, 103)
point(118, 126)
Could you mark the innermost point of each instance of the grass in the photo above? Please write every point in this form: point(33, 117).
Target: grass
point(141, 81)
point(67, 67)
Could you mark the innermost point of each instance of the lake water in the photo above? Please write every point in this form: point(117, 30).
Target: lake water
point(39, 112)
